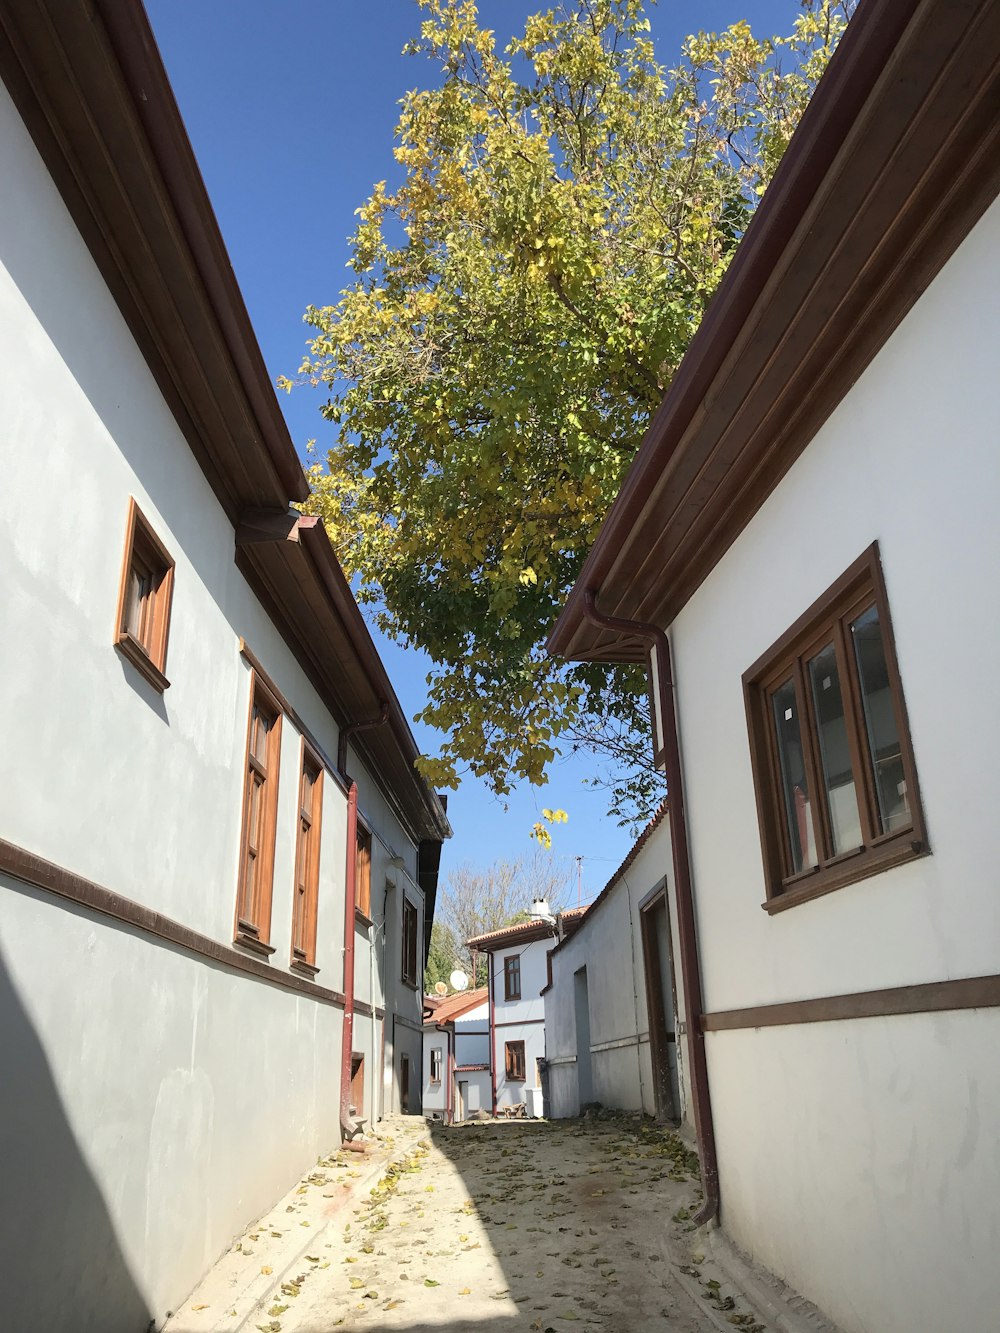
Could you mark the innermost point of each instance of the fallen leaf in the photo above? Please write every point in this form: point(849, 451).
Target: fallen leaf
point(267, 1270)
point(199, 1307)
point(429, 1282)
point(466, 1291)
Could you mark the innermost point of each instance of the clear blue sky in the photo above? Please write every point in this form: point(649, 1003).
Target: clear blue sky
point(291, 106)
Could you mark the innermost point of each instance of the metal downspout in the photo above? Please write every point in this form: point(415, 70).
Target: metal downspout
point(493, 1035)
point(680, 855)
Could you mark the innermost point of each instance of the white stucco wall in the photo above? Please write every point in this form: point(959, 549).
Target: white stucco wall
point(519, 1020)
point(609, 945)
point(192, 1095)
point(878, 1118)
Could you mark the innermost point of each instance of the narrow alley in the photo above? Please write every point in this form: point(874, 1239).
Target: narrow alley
point(519, 1225)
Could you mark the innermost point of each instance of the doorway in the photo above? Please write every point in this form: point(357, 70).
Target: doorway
point(661, 1003)
point(357, 1103)
point(404, 1084)
point(462, 1101)
point(584, 1072)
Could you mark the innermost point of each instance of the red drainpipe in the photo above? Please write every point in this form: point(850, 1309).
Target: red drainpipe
point(451, 1080)
point(493, 1044)
point(347, 1032)
point(701, 1100)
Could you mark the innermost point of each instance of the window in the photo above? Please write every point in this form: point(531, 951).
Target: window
point(260, 800)
point(306, 890)
point(409, 943)
point(357, 1102)
point(436, 1061)
point(514, 1061)
point(144, 594)
point(363, 873)
point(512, 977)
point(833, 768)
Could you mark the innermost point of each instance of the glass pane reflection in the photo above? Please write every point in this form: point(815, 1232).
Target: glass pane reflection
point(794, 786)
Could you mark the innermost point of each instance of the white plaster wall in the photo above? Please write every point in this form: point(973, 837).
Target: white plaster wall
point(909, 458)
point(519, 1020)
point(477, 1091)
point(435, 1095)
point(160, 1104)
point(141, 792)
point(609, 945)
point(860, 1160)
point(472, 1036)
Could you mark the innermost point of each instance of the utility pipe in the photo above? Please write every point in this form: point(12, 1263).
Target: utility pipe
point(493, 1043)
point(690, 962)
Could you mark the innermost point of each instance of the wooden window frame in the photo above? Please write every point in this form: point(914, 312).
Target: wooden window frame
point(515, 1069)
point(409, 960)
point(255, 934)
point(512, 965)
point(308, 840)
point(363, 874)
point(437, 1061)
point(858, 588)
point(147, 650)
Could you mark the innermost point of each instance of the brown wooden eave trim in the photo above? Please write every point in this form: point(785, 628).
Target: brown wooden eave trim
point(895, 160)
point(88, 81)
point(24, 865)
point(923, 998)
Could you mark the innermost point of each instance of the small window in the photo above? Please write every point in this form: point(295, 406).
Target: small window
point(512, 977)
point(409, 962)
point(307, 845)
point(363, 873)
point(144, 593)
point(436, 1062)
point(514, 1061)
point(260, 801)
point(833, 767)
point(357, 1102)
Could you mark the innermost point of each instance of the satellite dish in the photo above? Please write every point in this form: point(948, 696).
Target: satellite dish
point(458, 980)
point(440, 988)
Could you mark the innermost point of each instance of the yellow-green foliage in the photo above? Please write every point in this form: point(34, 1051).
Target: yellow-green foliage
point(518, 307)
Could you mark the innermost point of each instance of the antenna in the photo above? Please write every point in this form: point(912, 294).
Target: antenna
point(440, 988)
point(579, 880)
point(458, 980)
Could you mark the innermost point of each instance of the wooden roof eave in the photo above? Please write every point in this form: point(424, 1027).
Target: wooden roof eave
point(896, 158)
point(88, 81)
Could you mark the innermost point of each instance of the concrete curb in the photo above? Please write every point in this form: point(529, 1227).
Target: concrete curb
point(775, 1302)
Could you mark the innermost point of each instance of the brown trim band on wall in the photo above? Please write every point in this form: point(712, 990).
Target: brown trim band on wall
point(65, 884)
point(519, 1023)
point(924, 998)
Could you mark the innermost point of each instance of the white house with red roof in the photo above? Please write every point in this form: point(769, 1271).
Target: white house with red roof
point(456, 1055)
point(518, 973)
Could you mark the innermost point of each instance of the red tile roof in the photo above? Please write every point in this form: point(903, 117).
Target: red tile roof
point(447, 1007)
point(469, 1069)
point(525, 931)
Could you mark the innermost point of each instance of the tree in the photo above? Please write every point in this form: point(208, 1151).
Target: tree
point(519, 304)
point(476, 900)
point(442, 957)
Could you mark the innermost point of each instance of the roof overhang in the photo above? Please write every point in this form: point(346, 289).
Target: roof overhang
point(288, 560)
point(895, 159)
point(89, 83)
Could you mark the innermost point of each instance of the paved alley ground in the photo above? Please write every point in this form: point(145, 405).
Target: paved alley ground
point(498, 1226)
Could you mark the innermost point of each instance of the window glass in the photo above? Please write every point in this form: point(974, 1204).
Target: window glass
point(794, 784)
point(885, 751)
point(835, 752)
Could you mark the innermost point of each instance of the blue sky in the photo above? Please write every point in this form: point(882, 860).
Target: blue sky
point(291, 108)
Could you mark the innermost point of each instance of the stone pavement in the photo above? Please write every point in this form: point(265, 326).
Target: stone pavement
point(528, 1225)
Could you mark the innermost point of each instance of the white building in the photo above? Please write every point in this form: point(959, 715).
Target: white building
point(518, 972)
point(613, 1010)
point(217, 862)
point(456, 1056)
point(808, 544)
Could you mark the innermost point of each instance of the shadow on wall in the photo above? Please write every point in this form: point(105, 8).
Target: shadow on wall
point(62, 1268)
